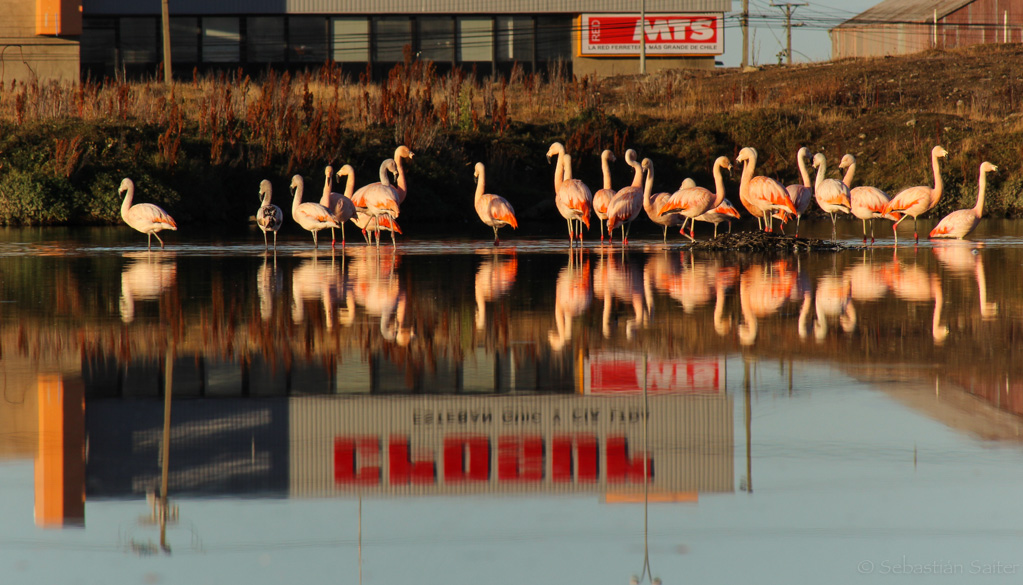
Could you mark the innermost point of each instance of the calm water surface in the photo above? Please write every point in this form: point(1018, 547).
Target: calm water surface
point(451, 412)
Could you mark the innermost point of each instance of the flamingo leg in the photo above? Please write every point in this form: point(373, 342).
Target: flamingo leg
point(497, 242)
point(916, 235)
point(149, 241)
point(716, 230)
point(797, 225)
point(342, 234)
point(601, 223)
point(266, 244)
point(571, 234)
point(872, 230)
point(865, 230)
point(665, 233)
point(316, 244)
point(895, 228)
point(161, 241)
point(333, 240)
point(275, 241)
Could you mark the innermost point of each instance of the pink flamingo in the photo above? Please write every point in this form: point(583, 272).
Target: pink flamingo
point(628, 202)
point(866, 203)
point(761, 194)
point(656, 201)
point(400, 187)
point(370, 225)
point(379, 198)
point(493, 210)
point(959, 224)
point(916, 201)
point(602, 197)
point(696, 201)
point(144, 217)
point(571, 196)
point(801, 195)
point(269, 217)
point(724, 212)
point(832, 195)
point(311, 216)
point(339, 205)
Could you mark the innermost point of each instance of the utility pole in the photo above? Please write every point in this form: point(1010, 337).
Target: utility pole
point(744, 19)
point(789, 8)
point(165, 10)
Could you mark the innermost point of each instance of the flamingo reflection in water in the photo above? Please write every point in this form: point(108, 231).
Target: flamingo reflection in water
point(833, 298)
point(692, 284)
point(269, 284)
point(762, 292)
point(616, 279)
point(144, 278)
point(495, 277)
point(573, 294)
point(912, 283)
point(961, 257)
point(314, 280)
point(377, 289)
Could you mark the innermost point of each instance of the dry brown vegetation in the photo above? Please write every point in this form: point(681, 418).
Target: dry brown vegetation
point(226, 129)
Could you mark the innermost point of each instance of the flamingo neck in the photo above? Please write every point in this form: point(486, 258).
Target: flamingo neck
point(384, 179)
point(803, 172)
point(266, 199)
point(719, 186)
point(649, 187)
point(978, 209)
point(479, 186)
point(350, 185)
point(938, 185)
point(605, 165)
point(747, 176)
point(328, 186)
point(821, 170)
point(849, 175)
point(568, 169)
point(401, 171)
point(129, 194)
point(299, 187)
point(559, 172)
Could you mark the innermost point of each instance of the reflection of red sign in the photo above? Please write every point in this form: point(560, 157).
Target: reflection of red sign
point(467, 458)
point(613, 375)
point(666, 34)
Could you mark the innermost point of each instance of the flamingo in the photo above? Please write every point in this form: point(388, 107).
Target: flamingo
point(656, 201)
point(339, 205)
point(571, 196)
point(377, 199)
point(269, 217)
point(311, 216)
point(761, 194)
point(918, 200)
point(493, 210)
point(866, 203)
point(369, 224)
point(959, 224)
point(696, 201)
point(628, 202)
point(719, 214)
point(801, 194)
point(400, 187)
point(144, 217)
point(602, 197)
point(832, 195)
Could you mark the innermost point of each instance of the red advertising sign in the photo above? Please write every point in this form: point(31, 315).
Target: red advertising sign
point(614, 374)
point(620, 35)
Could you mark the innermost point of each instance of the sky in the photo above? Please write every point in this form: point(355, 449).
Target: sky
point(767, 30)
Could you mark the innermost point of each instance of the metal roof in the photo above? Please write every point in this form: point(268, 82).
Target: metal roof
point(905, 11)
point(199, 7)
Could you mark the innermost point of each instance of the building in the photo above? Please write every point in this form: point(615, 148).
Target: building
point(897, 27)
point(39, 40)
point(124, 37)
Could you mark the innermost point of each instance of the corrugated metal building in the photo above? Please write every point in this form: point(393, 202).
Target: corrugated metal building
point(897, 27)
point(124, 35)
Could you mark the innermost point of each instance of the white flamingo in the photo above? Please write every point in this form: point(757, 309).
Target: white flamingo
point(311, 216)
point(269, 217)
point(144, 217)
point(339, 205)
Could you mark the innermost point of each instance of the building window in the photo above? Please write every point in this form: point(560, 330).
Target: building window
point(436, 38)
point(184, 32)
point(391, 34)
point(221, 40)
point(553, 38)
point(138, 40)
point(307, 39)
point(514, 38)
point(98, 41)
point(350, 38)
point(264, 39)
point(475, 39)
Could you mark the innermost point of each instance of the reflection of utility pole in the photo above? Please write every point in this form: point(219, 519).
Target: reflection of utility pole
point(165, 10)
point(744, 19)
point(168, 368)
point(789, 8)
point(748, 416)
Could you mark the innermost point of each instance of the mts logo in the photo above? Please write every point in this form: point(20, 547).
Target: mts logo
point(676, 30)
point(473, 458)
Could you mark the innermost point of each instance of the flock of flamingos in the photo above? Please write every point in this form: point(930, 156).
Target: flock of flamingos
point(375, 207)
